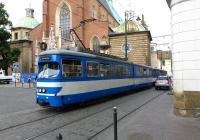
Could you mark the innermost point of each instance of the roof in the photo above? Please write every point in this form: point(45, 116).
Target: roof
point(27, 22)
point(85, 54)
point(107, 4)
point(131, 33)
point(131, 27)
point(92, 55)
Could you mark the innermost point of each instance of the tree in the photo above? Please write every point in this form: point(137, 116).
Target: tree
point(8, 55)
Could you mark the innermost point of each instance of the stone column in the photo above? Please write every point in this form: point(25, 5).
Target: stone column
point(185, 23)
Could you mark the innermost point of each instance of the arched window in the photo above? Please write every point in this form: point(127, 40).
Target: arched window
point(95, 44)
point(93, 12)
point(65, 23)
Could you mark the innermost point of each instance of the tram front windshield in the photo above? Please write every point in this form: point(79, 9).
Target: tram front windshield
point(48, 70)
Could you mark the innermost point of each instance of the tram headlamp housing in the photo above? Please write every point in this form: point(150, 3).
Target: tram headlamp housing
point(43, 90)
point(40, 90)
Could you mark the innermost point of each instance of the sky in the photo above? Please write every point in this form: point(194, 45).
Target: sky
point(156, 12)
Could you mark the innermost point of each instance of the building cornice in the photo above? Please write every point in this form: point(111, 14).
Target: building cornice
point(20, 41)
point(132, 33)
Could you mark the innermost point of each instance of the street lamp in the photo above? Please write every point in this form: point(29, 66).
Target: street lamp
point(128, 16)
point(159, 53)
point(170, 54)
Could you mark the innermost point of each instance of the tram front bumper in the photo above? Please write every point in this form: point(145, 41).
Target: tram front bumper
point(49, 100)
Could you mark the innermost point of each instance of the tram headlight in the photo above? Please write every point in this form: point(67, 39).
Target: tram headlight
point(40, 90)
point(43, 90)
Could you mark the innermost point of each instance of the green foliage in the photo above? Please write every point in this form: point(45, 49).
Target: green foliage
point(8, 55)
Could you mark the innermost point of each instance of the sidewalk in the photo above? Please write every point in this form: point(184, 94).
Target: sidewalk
point(18, 85)
point(156, 121)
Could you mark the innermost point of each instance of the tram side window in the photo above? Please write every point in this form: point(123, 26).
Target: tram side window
point(139, 71)
point(92, 69)
point(112, 70)
point(104, 70)
point(72, 68)
point(145, 72)
point(150, 73)
point(154, 73)
point(119, 70)
point(127, 71)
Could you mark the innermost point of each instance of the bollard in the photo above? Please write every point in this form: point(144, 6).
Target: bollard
point(15, 83)
point(29, 83)
point(15, 80)
point(115, 122)
point(59, 137)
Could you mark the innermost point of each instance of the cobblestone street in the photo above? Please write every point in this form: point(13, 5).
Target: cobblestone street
point(22, 118)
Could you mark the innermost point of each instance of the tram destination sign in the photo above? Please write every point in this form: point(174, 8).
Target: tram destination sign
point(45, 58)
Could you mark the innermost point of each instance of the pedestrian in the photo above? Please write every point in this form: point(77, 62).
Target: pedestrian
point(35, 80)
point(29, 80)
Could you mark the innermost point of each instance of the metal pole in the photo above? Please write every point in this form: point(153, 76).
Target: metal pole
point(15, 79)
point(171, 60)
point(59, 137)
point(29, 81)
point(126, 57)
point(115, 122)
point(161, 60)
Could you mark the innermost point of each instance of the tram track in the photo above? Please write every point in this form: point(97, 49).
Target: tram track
point(68, 122)
point(121, 118)
point(92, 115)
point(27, 122)
point(41, 118)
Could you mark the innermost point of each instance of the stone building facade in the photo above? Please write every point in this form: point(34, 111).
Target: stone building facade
point(21, 38)
point(138, 40)
point(185, 25)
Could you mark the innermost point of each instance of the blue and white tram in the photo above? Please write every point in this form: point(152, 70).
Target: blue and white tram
point(68, 77)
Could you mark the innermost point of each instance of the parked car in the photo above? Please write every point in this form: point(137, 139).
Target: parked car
point(163, 82)
point(4, 78)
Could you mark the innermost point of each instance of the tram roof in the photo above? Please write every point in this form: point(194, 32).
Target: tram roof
point(85, 54)
point(90, 54)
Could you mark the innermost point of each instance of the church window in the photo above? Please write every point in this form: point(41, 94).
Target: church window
point(94, 12)
point(26, 34)
point(95, 43)
point(16, 36)
point(65, 23)
point(163, 62)
point(102, 17)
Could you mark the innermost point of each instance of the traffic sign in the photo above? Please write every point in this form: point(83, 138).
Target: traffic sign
point(16, 66)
